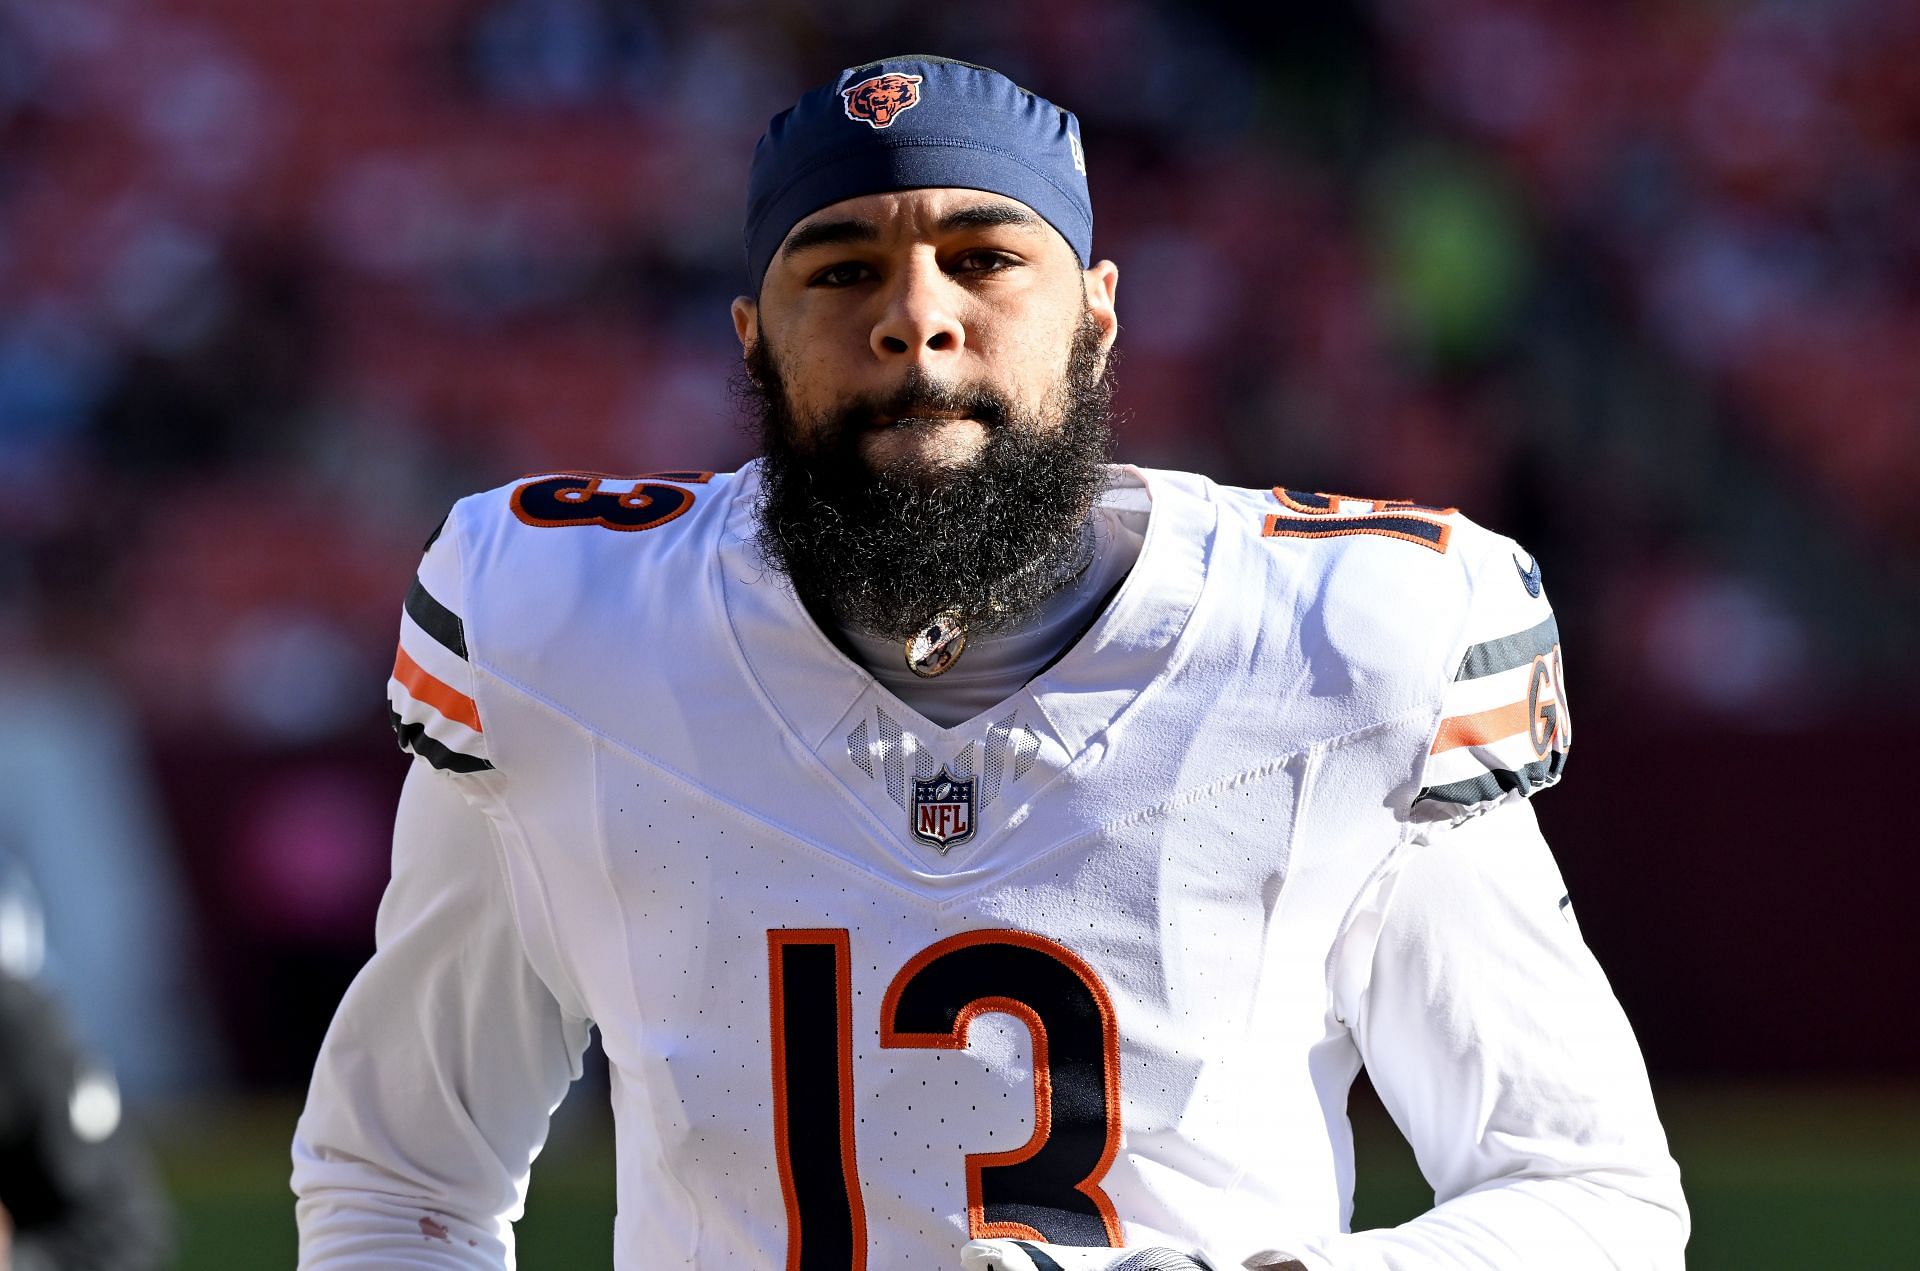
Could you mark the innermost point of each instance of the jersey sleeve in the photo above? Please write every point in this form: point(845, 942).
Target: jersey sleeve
point(430, 694)
point(1504, 730)
point(1499, 1048)
point(432, 1092)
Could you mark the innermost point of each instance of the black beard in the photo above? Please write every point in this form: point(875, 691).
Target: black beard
point(886, 551)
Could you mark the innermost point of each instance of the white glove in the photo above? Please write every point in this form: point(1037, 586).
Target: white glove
point(1021, 1255)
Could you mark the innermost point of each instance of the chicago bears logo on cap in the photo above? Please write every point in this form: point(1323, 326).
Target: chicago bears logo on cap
point(877, 102)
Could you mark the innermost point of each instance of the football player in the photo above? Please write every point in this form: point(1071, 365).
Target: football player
point(973, 852)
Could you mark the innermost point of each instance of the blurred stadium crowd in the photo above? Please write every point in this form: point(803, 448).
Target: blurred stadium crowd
point(1638, 283)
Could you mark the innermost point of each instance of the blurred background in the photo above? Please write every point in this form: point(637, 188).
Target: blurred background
point(1638, 283)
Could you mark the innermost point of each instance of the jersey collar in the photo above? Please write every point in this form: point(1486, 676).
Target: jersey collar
point(810, 686)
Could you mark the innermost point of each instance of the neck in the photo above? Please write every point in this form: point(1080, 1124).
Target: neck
point(1001, 657)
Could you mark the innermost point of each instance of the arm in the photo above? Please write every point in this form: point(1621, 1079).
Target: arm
point(432, 1091)
point(1497, 1045)
point(1501, 1053)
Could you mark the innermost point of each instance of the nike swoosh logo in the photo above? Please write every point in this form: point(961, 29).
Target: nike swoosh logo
point(1530, 577)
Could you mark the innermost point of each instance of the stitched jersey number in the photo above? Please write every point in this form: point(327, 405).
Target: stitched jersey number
point(1310, 515)
point(577, 499)
point(1046, 1189)
point(813, 1100)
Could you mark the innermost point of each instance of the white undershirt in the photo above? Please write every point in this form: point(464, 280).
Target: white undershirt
point(993, 668)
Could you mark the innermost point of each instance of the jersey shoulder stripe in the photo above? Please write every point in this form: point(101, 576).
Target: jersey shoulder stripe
point(436, 619)
point(415, 738)
point(430, 689)
point(1495, 784)
point(1490, 657)
point(1503, 729)
point(430, 693)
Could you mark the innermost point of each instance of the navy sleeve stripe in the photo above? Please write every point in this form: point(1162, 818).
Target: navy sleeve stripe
point(437, 620)
point(414, 737)
point(1041, 1261)
point(1492, 785)
point(1417, 529)
point(1508, 652)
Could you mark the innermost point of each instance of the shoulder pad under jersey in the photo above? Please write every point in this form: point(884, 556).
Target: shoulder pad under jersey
point(1459, 608)
point(538, 547)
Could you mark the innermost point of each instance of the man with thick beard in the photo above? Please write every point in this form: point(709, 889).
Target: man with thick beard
point(973, 853)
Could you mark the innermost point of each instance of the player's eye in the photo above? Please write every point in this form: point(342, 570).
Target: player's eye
point(841, 274)
point(984, 260)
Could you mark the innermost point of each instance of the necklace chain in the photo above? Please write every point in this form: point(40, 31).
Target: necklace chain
point(934, 649)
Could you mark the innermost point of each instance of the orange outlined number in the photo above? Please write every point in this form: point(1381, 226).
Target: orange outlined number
point(1311, 515)
point(577, 499)
point(813, 1100)
point(1548, 727)
point(1048, 1188)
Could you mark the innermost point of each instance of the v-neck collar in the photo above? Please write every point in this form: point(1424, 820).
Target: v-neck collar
point(811, 685)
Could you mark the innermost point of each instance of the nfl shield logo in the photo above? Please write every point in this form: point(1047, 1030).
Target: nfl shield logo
point(942, 810)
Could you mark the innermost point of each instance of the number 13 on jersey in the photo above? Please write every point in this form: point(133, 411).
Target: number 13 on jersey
point(1046, 1189)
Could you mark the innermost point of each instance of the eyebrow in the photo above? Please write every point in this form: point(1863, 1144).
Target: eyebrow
point(823, 233)
point(988, 215)
point(853, 230)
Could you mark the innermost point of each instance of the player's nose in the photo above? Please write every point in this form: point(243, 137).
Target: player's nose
point(918, 321)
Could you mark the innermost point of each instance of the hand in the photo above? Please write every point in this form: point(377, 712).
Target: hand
point(1022, 1255)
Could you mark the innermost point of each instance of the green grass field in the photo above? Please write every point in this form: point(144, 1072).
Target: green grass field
point(1778, 1177)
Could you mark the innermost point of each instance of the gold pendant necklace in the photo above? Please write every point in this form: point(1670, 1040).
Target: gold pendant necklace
point(934, 648)
point(937, 646)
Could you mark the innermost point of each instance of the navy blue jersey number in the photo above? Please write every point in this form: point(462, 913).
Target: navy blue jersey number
point(577, 499)
point(813, 1100)
point(1306, 514)
point(1046, 1189)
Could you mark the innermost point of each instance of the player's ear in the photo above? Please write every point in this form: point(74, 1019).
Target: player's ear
point(745, 321)
point(1102, 281)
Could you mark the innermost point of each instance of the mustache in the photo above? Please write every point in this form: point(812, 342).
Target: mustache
point(885, 549)
point(919, 396)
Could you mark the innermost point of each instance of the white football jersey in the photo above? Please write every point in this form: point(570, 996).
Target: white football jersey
point(1095, 967)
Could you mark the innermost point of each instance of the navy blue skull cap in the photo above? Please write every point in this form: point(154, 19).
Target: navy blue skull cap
point(911, 123)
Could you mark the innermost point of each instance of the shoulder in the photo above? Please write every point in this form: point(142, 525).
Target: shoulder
point(518, 574)
point(553, 542)
point(1381, 589)
point(554, 516)
point(1397, 605)
point(1504, 729)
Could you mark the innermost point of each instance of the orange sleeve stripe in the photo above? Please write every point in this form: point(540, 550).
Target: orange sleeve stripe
point(1482, 728)
point(437, 693)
